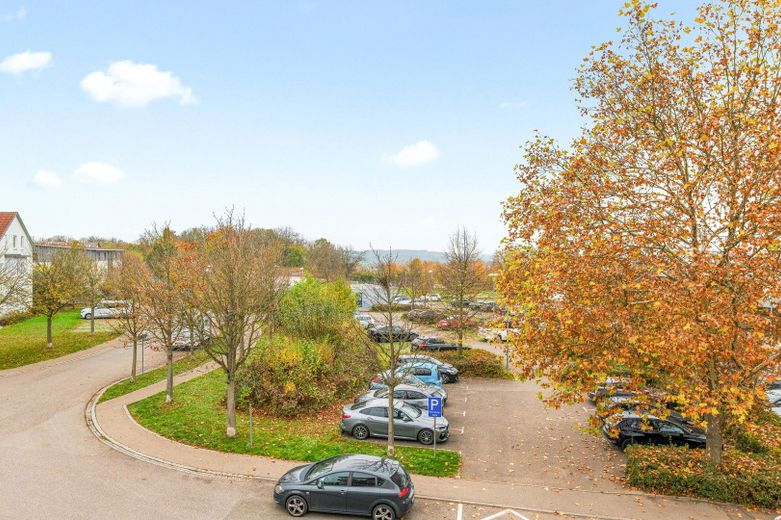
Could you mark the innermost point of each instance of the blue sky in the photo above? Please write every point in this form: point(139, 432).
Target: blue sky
point(295, 112)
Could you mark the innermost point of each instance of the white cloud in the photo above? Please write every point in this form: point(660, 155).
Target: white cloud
point(46, 180)
point(19, 14)
point(413, 155)
point(25, 61)
point(513, 104)
point(135, 85)
point(97, 173)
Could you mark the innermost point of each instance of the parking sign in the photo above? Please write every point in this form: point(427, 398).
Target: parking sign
point(435, 407)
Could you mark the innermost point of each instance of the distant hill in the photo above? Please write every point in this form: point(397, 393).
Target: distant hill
point(405, 255)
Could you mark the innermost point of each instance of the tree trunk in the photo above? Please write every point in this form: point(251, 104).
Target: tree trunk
point(92, 320)
point(135, 360)
point(49, 343)
point(169, 383)
point(714, 440)
point(391, 443)
point(231, 402)
point(270, 335)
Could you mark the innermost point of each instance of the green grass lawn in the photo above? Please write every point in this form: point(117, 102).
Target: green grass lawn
point(25, 342)
point(181, 365)
point(198, 417)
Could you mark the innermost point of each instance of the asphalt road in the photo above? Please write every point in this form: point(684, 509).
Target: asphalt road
point(51, 466)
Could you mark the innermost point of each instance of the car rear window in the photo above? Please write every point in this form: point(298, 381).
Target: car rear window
point(400, 478)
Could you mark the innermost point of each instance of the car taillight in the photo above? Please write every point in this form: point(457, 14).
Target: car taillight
point(404, 492)
point(376, 380)
point(345, 416)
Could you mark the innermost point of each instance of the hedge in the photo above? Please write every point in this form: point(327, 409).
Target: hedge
point(475, 363)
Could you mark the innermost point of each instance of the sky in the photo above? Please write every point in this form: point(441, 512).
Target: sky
point(388, 124)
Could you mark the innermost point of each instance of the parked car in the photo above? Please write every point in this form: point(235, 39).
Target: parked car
point(434, 343)
point(401, 300)
point(378, 382)
point(349, 484)
point(366, 320)
point(426, 372)
point(495, 334)
point(457, 304)
point(370, 419)
point(448, 372)
point(454, 322)
point(629, 428)
point(430, 298)
point(773, 391)
point(107, 309)
point(186, 340)
point(410, 394)
point(609, 387)
point(424, 316)
point(384, 334)
point(484, 305)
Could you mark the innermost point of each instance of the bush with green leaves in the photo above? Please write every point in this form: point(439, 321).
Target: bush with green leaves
point(297, 376)
point(475, 363)
point(315, 310)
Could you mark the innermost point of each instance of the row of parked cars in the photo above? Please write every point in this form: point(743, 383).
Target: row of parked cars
point(647, 416)
point(419, 377)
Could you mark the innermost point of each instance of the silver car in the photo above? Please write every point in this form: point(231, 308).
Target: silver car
point(410, 394)
point(378, 383)
point(370, 419)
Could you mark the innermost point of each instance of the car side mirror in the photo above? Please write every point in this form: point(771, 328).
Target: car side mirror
point(320, 484)
point(407, 419)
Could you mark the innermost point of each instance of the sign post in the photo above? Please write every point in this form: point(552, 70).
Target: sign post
point(435, 410)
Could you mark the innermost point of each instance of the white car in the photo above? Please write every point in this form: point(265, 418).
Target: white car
point(402, 300)
point(366, 321)
point(431, 298)
point(773, 391)
point(104, 310)
point(490, 335)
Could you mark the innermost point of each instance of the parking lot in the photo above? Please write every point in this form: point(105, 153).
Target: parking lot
point(504, 433)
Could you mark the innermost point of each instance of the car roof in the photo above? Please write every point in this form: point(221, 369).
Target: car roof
point(367, 463)
point(380, 401)
point(417, 364)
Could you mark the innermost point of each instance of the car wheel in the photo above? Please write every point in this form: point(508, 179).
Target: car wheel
point(383, 512)
point(361, 432)
point(87, 316)
point(626, 443)
point(426, 437)
point(296, 506)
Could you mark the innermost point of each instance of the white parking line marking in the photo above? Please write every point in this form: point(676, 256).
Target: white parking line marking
point(464, 413)
point(460, 512)
point(502, 513)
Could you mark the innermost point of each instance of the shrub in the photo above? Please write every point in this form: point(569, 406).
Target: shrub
point(744, 478)
point(304, 376)
point(15, 317)
point(475, 363)
point(316, 310)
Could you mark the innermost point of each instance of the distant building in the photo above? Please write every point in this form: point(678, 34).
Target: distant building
point(16, 258)
point(104, 257)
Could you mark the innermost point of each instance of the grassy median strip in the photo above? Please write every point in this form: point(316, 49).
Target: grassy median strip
point(197, 417)
point(25, 342)
point(181, 365)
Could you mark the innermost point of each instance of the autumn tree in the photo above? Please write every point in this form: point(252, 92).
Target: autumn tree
point(241, 278)
point(646, 246)
point(330, 262)
point(387, 286)
point(127, 282)
point(162, 296)
point(57, 285)
point(462, 277)
point(94, 285)
point(414, 279)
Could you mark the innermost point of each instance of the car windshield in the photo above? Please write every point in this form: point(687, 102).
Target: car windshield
point(320, 469)
point(410, 410)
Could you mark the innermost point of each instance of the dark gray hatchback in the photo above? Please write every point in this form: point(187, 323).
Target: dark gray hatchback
point(348, 484)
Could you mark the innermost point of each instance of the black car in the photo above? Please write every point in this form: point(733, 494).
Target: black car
point(384, 334)
point(629, 428)
point(433, 343)
point(349, 484)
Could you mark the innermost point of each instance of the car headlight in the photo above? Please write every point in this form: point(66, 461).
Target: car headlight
point(278, 489)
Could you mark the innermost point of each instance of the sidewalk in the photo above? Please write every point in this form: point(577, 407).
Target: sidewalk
point(112, 423)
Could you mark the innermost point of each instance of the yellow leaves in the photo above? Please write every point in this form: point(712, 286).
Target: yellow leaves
point(699, 20)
